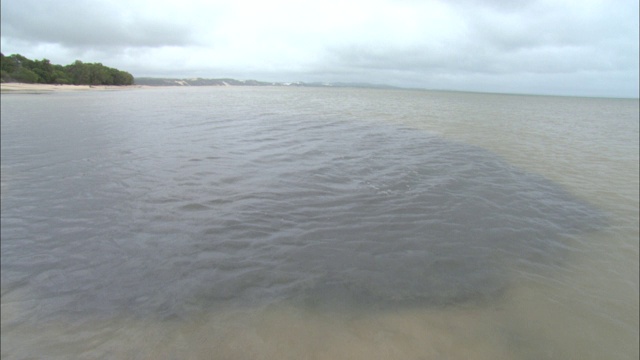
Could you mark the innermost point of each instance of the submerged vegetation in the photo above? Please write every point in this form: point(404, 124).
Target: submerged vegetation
point(17, 68)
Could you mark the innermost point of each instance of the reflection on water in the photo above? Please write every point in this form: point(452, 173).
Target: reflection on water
point(315, 223)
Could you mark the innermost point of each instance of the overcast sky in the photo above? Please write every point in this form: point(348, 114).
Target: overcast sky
point(568, 47)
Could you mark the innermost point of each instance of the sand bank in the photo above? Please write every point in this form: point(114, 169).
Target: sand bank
point(46, 88)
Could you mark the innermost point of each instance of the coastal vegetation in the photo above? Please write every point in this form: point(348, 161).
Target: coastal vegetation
point(17, 68)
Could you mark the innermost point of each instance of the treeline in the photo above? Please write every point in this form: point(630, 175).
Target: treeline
point(17, 68)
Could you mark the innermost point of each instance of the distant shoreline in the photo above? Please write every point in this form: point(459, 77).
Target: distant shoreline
point(26, 88)
point(23, 88)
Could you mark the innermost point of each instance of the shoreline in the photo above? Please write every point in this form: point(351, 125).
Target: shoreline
point(24, 88)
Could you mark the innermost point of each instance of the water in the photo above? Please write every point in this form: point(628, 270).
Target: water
point(318, 223)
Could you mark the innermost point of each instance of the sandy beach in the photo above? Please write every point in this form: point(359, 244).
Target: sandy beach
point(23, 88)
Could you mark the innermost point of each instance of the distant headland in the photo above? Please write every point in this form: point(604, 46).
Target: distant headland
point(19, 69)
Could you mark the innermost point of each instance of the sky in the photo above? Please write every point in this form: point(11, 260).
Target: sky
point(555, 47)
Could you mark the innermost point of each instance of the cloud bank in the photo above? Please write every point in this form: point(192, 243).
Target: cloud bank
point(587, 47)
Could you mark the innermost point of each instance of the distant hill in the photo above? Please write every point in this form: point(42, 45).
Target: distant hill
point(150, 81)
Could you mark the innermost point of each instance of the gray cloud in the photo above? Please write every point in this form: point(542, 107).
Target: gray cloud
point(76, 23)
point(542, 40)
point(467, 44)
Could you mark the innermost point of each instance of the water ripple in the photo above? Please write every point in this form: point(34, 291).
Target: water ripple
point(264, 208)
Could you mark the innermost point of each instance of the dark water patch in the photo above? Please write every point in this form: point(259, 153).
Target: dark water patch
point(194, 207)
point(325, 213)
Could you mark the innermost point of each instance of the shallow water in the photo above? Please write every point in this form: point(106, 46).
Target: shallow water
point(318, 223)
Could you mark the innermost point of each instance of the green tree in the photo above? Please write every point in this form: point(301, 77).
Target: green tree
point(19, 68)
point(6, 68)
point(5, 76)
point(9, 63)
point(121, 77)
point(78, 73)
point(44, 69)
point(61, 77)
point(25, 75)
